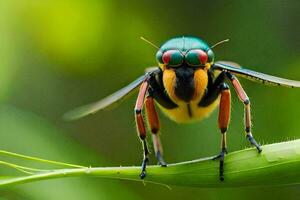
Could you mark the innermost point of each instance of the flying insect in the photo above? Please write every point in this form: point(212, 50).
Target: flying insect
point(187, 86)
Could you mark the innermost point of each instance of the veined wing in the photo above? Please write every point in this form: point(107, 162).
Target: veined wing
point(253, 75)
point(109, 100)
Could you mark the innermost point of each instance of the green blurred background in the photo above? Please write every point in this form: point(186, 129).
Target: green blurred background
point(56, 55)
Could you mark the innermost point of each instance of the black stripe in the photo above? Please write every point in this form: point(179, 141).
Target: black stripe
point(157, 91)
point(213, 90)
point(189, 110)
point(185, 86)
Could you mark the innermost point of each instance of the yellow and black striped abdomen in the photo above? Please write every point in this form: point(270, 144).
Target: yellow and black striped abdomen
point(188, 111)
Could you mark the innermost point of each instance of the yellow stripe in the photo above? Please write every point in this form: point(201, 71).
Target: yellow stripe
point(200, 80)
point(169, 80)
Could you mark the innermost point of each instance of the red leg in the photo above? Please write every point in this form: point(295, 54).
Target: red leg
point(224, 109)
point(245, 99)
point(154, 125)
point(141, 125)
point(223, 121)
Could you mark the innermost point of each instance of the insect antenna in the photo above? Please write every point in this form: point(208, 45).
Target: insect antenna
point(218, 43)
point(147, 41)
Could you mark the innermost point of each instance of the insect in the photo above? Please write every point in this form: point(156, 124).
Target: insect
point(187, 86)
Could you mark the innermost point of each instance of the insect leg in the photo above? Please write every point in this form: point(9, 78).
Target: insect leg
point(141, 126)
point(245, 99)
point(223, 121)
point(153, 122)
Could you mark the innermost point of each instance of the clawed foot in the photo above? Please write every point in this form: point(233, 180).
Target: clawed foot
point(254, 143)
point(221, 156)
point(144, 164)
point(160, 159)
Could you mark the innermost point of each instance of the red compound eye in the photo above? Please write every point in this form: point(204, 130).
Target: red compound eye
point(202, 56)
point(172, 58)
point(196, 57)
point(167, 57)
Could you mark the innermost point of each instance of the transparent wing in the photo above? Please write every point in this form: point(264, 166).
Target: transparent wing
point(236, 69)
point(107, 101)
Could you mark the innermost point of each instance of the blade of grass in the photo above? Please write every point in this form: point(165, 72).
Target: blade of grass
point(39, 159)
point(278, 164)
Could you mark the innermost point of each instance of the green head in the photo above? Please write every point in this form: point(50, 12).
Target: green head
point(191, 51)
